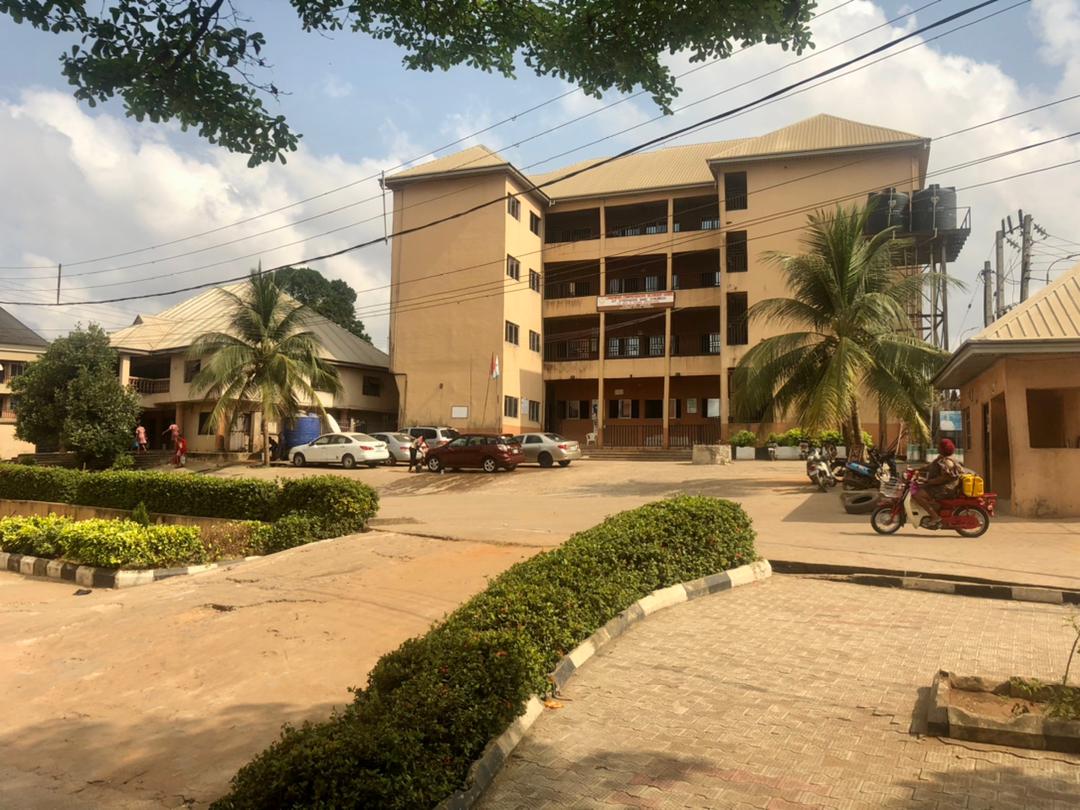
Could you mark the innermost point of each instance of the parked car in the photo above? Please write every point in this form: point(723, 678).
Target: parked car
point(547, 448)
point(346, 449)
point(397, 444)
point(433, 436)
point(487, 452)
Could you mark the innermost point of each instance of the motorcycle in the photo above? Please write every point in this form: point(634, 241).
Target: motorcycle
point(968, 516)
point(879, 468)
point(820, 468)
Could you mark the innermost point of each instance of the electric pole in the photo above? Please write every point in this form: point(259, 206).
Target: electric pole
point(988, 298)
point(999, 271)
point(1025, 254)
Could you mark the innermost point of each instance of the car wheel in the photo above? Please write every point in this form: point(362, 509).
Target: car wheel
point(298, 460)
point(392, 461)
point(564, 463)
point(490, 465)
point(434, 464)
point(545, 460)
point(348, 462)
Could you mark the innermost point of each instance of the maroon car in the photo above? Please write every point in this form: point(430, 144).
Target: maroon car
point(485, 451)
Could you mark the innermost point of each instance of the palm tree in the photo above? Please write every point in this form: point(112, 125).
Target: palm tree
point(851, 333)
point(266, 357)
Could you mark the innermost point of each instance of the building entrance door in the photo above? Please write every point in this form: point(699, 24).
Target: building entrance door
point(1000, 461)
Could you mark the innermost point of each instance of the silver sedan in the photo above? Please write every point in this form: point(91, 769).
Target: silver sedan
point(398, 444)
point(547, 449)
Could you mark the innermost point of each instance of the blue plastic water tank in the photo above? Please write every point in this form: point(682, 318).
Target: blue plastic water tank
point(302, 430)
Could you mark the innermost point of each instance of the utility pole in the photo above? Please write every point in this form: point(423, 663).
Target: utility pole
point(1025, 255)
point(944, 298)
point(999, 271)
point(988, 296)
point(59, 271)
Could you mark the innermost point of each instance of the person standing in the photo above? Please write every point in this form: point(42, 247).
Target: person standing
point(140, 439)
point(180, 456)
point(173, 432)
point(421, 452)
point(413, 450)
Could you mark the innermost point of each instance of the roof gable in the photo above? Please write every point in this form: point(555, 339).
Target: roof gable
point(820, 133)
point(1053, 313)
point(14, 332)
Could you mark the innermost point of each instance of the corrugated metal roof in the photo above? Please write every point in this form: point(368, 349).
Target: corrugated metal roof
point(664, 168)
point(821, 133)
point(14, 332)
point(177, 327)
point(471, 159)
point(1052, 313)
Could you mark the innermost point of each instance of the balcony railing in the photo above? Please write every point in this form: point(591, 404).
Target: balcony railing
point(696, 345)
point(616, 435)
point(568, 350)
point(633, 284)
point(693, 281)
point(150, 385)
point(640, 229)
point(556, 235)
point(571, 289)
point(689, 435)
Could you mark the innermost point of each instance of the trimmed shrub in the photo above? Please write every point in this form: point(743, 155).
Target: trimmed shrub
point(833, 437)
point(106, 543)
point(430, 707)
point(744, 438)
point(287, 531)
point(341, 505)
point(32, 483)
point(179, 494)
point(231, 541)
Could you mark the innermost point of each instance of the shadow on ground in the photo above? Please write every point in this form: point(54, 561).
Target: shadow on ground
point(75, 762)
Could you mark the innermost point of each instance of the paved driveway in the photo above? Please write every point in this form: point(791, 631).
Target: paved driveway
point(792, 693)
point(154, 696)
point(541, 508)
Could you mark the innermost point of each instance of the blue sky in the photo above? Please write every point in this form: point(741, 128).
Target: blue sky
point(90, 182)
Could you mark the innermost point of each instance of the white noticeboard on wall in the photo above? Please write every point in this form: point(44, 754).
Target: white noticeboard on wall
point(459, 411)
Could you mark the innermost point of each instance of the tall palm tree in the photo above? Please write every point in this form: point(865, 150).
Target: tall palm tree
point(851, 333)
point(266, 357)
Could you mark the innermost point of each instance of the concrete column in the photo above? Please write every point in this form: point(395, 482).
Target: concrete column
point(125, 369)
point(670, 230)
point(667, 371)
point(600, 375)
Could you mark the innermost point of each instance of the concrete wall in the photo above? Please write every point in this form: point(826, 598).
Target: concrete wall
point(1040, 481)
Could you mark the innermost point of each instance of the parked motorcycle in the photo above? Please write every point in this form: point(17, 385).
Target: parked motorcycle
point(820, 468)
point(879, 467)
point(968, 516)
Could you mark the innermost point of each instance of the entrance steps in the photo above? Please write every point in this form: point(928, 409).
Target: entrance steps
point(636, 453)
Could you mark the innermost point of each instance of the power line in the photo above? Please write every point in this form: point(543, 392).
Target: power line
point(403, 164)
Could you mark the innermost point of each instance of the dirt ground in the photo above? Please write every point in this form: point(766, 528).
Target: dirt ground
point(154, 696)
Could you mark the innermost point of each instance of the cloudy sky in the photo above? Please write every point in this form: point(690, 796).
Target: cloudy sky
point(130, 208)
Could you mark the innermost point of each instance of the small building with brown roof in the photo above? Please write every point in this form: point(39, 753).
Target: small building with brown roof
point(19, 345)
point(1019, 383)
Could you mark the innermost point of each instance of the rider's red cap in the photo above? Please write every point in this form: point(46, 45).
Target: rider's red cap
point(946, 447)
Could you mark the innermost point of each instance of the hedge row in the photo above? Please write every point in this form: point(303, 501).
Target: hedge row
point(336, 502)
point(106, 543)
point(430, 707)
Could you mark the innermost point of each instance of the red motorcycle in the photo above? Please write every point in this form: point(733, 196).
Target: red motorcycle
point(967, 516)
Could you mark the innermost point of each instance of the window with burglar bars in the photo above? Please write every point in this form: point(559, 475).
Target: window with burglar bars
point(534, 410)
point(737, 254)
point(513, 268)
point(534, 281)
point(512, 331)
point(513, 206)
point(534, 340)
point(510, 407)
point(738, 332)
point(735, 191)
point(534, 223)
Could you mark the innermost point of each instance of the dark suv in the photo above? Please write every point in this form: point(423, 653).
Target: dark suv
point(488, 452)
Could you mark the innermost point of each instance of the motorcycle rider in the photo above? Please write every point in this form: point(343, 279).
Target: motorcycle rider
point(940, 479)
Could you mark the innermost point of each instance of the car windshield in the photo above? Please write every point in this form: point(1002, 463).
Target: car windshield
point(555, 437)
point(363, 437)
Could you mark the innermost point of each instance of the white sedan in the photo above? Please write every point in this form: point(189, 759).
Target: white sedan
point(346, 449)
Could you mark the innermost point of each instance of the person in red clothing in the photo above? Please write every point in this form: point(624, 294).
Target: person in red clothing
point(180, 457)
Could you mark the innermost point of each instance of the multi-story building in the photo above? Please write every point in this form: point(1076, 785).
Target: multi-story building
point(154, 361)
point(611, 299)
point(19, 345)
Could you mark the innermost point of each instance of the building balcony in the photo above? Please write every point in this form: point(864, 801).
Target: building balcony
point(696, 345)
point(569, 307)
point(587, 348)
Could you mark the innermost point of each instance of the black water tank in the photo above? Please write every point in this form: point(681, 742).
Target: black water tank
point(934, 208)
point(888, 209)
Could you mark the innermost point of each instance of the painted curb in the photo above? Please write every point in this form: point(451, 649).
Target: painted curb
point(952, 584)
point(483, 771)
point(89, 576)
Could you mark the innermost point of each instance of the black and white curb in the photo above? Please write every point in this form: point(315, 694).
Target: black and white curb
point(935, 583)
point(89, 576)
point(483, 771)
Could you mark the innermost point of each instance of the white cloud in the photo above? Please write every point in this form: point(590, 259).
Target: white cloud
point(91, 185)
point(336, 87)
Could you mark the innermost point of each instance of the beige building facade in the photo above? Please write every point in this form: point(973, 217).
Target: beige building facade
point(19, 345)
point(612, 300)
point(1019, 395)
point(154, 361)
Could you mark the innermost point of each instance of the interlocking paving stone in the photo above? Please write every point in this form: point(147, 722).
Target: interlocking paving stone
point(792, 693)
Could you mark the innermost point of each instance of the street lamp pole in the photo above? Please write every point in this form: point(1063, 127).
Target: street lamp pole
point(1060, 259)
